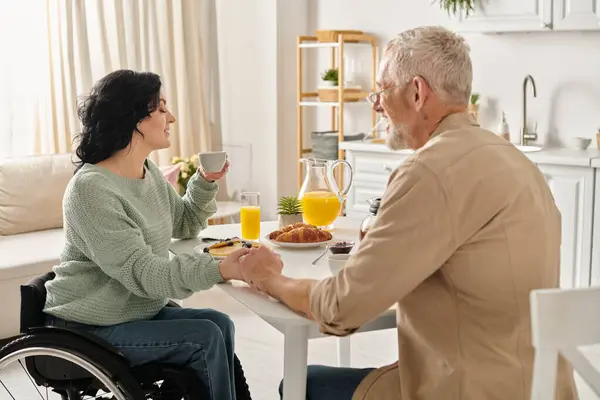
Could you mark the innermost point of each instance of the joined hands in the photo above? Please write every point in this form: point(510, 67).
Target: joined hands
point(253, 266)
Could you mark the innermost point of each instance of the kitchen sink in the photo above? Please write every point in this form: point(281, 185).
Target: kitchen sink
point(528, 149)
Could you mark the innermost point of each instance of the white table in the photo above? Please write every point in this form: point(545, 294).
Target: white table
point(296, 329)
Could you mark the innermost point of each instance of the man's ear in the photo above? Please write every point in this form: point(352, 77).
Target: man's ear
point(420, 94)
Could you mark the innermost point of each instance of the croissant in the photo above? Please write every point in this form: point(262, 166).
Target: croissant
point(287, 228)
point(304, 235)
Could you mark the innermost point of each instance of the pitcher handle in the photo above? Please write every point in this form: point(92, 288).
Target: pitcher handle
point(344, 192)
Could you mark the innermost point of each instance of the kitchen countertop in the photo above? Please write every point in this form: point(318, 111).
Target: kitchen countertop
point(556, 156)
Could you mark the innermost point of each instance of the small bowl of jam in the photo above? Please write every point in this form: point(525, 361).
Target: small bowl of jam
point(343, 247)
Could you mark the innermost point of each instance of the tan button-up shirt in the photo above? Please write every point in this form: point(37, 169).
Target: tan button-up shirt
point(466, 229)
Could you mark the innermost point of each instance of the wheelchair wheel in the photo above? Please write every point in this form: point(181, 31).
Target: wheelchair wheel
point(18, 357)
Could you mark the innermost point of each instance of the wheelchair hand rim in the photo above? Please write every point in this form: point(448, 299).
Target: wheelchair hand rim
point(45, 351)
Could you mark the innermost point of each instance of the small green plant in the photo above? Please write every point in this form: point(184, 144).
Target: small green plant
point(475, 98)
point(454, 6)
point(331, 75)
point(289, 206)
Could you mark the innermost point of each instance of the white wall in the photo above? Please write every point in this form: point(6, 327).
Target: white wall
point(247, 65)
point(293, 18)
point(257, 68)
point(566, 66)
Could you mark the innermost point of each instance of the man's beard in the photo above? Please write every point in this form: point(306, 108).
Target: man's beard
point(396, 137)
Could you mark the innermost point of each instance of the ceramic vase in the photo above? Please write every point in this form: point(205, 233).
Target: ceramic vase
point(285, 220)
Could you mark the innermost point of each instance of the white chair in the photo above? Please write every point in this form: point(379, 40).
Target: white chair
point(562, 321)
point(240, 177)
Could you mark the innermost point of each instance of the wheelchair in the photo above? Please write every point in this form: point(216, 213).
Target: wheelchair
point(78, 365)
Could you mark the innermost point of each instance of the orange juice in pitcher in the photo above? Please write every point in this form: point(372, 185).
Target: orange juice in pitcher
point(320, 208)
point(321, 199)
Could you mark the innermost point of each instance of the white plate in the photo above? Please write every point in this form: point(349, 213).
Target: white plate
point(297, 245)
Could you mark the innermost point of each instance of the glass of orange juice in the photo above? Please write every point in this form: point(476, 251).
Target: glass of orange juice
point(250, 215)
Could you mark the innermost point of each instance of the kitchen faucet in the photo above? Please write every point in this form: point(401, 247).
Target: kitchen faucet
point(525, 135)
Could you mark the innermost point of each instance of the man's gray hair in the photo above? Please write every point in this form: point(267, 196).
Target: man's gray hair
point(436, 54)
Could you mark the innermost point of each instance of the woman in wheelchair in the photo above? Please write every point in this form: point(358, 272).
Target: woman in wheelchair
point(115, 278)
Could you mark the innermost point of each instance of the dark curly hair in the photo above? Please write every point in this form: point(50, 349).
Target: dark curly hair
point(112, 111)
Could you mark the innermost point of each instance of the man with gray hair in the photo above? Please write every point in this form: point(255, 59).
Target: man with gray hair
point(466, 229)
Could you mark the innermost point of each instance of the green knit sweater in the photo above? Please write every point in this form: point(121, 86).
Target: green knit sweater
point(115, 265)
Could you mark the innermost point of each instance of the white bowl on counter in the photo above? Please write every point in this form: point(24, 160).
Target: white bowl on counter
point(337, 262)
point(579, 143)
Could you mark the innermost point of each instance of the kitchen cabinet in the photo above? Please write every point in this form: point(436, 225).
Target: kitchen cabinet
point(573, 191)
point(496, 16)
point(371, 173)
point(507, 16)
point(576, 15)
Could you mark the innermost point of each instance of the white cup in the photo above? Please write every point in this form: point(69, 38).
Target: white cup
point(337, 262)
point(212, 161)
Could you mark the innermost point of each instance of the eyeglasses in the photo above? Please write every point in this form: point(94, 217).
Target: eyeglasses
point(373, 98)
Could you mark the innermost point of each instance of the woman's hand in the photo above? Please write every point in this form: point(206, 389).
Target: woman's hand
point(214, 176)
point(260, 265)
point(230, 266)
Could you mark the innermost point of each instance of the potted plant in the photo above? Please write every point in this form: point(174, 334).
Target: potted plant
point(474, 105)
point(329, 89)
point(289, 210)
point(330, 77)
point(456, 6)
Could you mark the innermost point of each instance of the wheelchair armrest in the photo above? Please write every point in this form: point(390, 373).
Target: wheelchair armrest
point(69, 332)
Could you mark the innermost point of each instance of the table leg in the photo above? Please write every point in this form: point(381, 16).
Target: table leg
point(344, 347)
point(295, 363)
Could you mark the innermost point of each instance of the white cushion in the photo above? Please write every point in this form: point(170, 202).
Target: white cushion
point(32, 253)
point(31, 192)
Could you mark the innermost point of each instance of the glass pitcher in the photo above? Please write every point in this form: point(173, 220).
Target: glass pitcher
point(320, 196)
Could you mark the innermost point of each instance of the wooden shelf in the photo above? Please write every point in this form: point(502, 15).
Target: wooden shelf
point(347, 38)
point(329, 45)
point(315, 101)
point(311, 99)
point(318, 45)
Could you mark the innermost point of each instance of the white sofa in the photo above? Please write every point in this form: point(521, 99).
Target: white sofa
point(31, 235)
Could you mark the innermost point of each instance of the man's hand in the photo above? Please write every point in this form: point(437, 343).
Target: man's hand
point(260, 265)
point(230, 266)
point(262, 270)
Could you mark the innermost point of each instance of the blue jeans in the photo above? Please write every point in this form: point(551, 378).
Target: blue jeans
point(332, 383)
point(199, 339)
